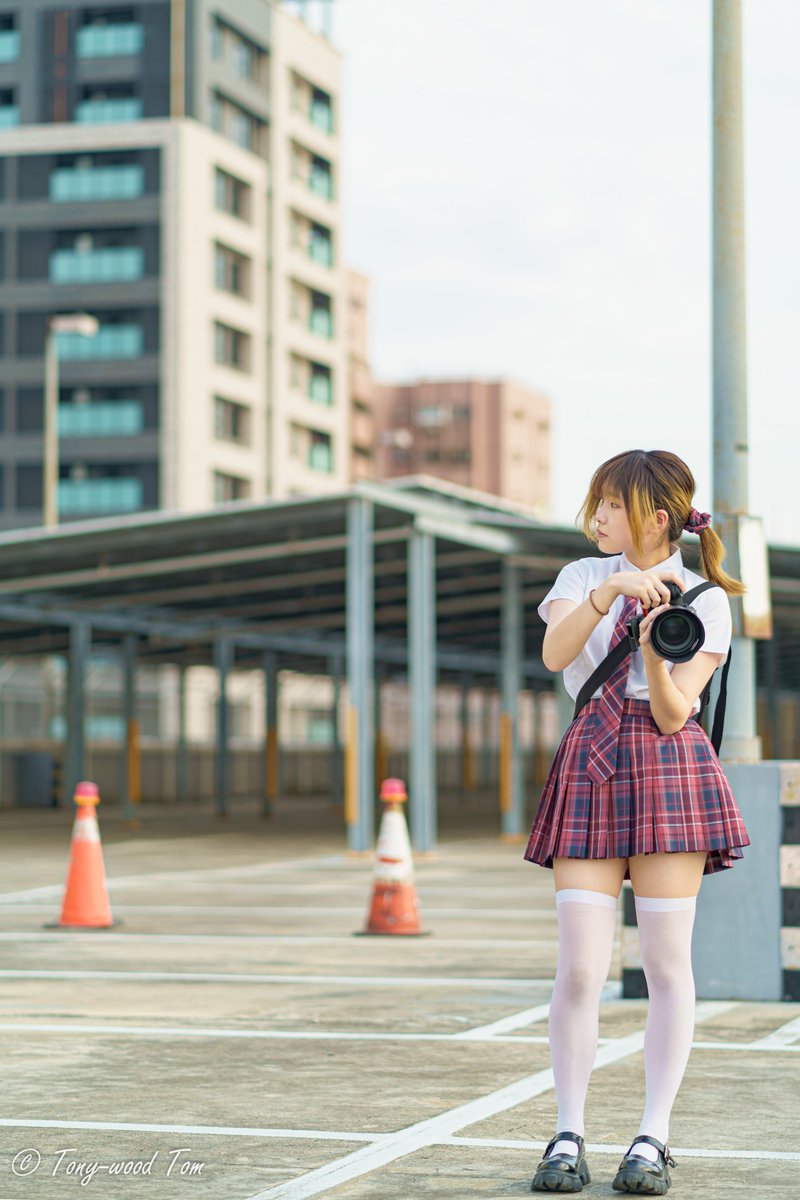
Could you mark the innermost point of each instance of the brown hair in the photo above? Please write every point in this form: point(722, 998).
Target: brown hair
point(647, 480)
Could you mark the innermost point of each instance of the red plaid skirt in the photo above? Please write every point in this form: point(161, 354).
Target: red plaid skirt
point(668, 793)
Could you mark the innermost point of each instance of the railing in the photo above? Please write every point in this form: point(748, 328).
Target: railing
point(118, 418)
point(108, 41)
point(101, 112)
point(124, 182)
point(90, 496)
point(114, 264)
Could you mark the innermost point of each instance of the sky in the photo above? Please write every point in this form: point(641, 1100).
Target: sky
point(526, 182)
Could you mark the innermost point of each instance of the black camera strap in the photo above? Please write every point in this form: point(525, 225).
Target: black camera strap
point(621, 651)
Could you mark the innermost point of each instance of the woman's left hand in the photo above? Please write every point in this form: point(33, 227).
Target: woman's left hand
point(644, 629)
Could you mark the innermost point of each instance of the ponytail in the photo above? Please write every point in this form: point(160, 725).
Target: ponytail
point(712, 556)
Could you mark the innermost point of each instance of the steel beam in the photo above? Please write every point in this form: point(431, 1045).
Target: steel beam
point(182, 754)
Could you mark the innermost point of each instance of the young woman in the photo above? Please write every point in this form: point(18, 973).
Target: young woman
point(635, 792)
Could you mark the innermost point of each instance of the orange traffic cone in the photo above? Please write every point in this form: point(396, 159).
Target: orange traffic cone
point(86, 900)
point(394, 907)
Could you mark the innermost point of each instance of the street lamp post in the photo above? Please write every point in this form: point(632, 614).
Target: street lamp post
point(87, 326)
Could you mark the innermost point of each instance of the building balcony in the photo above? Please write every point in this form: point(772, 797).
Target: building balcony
point(111, 341)
point(97, 183)
point(103, 112)
point(120, 418)
point(9, 116)
point(115, 264)
point(109, 41)
point(93, 497)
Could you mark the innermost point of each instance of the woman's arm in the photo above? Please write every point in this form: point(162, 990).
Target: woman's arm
point(672, 694)
point(570, 625)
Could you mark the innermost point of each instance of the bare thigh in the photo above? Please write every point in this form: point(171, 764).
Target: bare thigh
point(594, 874)
point(678, 874)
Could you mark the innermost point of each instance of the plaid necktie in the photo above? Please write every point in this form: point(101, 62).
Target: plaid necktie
point(602, 762)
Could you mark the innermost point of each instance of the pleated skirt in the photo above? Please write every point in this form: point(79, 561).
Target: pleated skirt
point(668, 794)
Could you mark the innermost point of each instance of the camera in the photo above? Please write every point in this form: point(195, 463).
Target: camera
point(676, 634)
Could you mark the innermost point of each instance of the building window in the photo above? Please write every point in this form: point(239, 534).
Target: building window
point(320, 179)
point(217, 39)
point(100, 106)
point(231, 347)
point(231, 421)
point(320, 112)
point(246, 59)
point(229, 487)
point(320, 245)
point(320, 384)
point(124, 181)
point(9, 38)
point(234, 122)
point(320, 317)
point(231, 195)
point(231, 271)
point(320, 451)
point(9, 110)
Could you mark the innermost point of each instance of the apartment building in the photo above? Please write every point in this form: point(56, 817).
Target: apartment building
point(171, 167)
point(491, 435)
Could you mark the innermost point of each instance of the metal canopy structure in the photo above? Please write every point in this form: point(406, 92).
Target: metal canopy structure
point(431, 581)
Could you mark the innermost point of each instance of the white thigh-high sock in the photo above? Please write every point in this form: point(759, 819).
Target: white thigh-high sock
point(586, 925)
point(665, 942)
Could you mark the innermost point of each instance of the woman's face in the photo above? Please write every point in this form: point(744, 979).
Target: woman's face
point(611, 524)
point(614, 533)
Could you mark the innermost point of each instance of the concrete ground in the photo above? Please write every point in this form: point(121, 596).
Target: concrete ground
point(234, 1040)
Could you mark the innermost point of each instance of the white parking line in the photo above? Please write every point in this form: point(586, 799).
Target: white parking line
point(321, 1135)
point(529, 1016)
point(413, 981)
point(192, 875)
point(267, 939)
point(424, 1133)
point(784, 1036)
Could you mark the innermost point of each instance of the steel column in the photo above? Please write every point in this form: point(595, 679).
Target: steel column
point(336, 759)
point(511, 652)
point(729, 353)
point(271, 773)
point(223, 658)
point(80, 645)
point(182, 756)
point(422, 682)
point(129, 759)
point(360, 760)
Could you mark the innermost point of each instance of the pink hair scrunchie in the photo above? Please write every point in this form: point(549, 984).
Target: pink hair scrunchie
point(697, 521)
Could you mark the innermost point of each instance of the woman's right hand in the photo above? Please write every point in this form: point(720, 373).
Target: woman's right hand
point(646, 586)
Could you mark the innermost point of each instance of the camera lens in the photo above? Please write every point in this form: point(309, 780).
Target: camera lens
point(677, 634)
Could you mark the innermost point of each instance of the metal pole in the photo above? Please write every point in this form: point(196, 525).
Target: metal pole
point(50, 463)
point(336, 760)
point(422, 681)
point(80, 644)
point(360, 760)
point(223, 654)
point(511, 650)
point(731, 450)
point(130, 745)
point(271, 775)
point(182, 764)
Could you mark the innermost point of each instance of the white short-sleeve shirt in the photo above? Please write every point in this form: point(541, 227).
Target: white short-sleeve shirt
point(576, 580)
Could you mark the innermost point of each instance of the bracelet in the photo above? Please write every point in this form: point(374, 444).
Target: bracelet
point(599, 612)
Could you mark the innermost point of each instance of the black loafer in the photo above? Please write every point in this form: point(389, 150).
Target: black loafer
point(638, 1174)
point(562, 1172)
